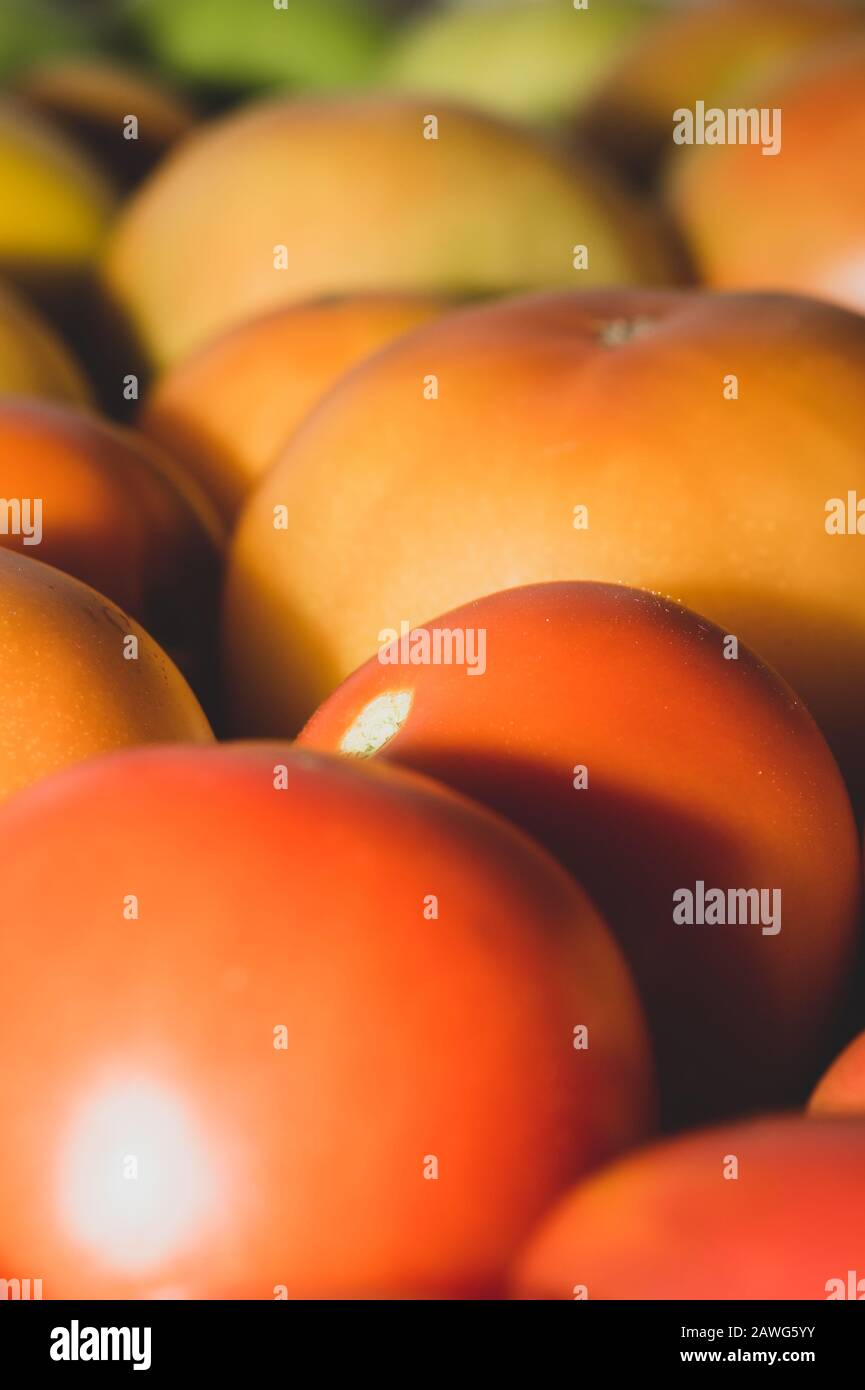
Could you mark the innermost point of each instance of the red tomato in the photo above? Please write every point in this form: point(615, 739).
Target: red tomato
point(774, 1208)
point(250, 1056)
point(841, 1090)
point(608, 722)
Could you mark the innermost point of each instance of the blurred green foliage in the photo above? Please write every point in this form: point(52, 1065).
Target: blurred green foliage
point(310, 44)
point(31, 30)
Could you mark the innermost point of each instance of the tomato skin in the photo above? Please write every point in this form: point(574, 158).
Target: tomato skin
point(665, 1223)
point(841, 1089)
point(226, 410)
point(702, 52)
point(771, 237)
point(118, 514)
point(71, 688)
point(406, 1037)
point(698, 768)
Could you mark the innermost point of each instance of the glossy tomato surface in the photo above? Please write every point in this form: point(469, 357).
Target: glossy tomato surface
point(610, 724)
point(293, 1023)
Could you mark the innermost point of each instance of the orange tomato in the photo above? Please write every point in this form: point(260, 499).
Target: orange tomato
point(112, 510)
point(744, 215)
point(771, 1209)
point(79, 677)
point(226, 410)
point(309, 1027)
point(582, 436)
point(841, 1090)
point(608, 722)
point(718, 52)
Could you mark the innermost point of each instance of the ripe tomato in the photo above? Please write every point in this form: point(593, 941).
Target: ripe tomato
point(78, 677)
point(573, 436)
point(773, 1208)
point(611, 724)
point(293, 1024)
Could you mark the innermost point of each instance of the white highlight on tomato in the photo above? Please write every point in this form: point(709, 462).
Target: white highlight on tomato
point(136, 1178)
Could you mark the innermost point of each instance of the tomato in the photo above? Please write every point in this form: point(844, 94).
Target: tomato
point(743, 213)
point(582, 436)
point(79, 677)
point(841, 1090)
point(293, 1024)
point(226, 409)
point(250, 214)
point(619, 729)
point(770, 1209)
point(110, 508)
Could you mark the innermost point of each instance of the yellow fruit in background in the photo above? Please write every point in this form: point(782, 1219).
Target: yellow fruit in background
point(33, 359)
point(285, 201)
point(225, 411)
point(56, 203)
point(71, 687)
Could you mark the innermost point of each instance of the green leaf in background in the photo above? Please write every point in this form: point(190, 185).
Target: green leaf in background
point(32, 30)
point(310, 44)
